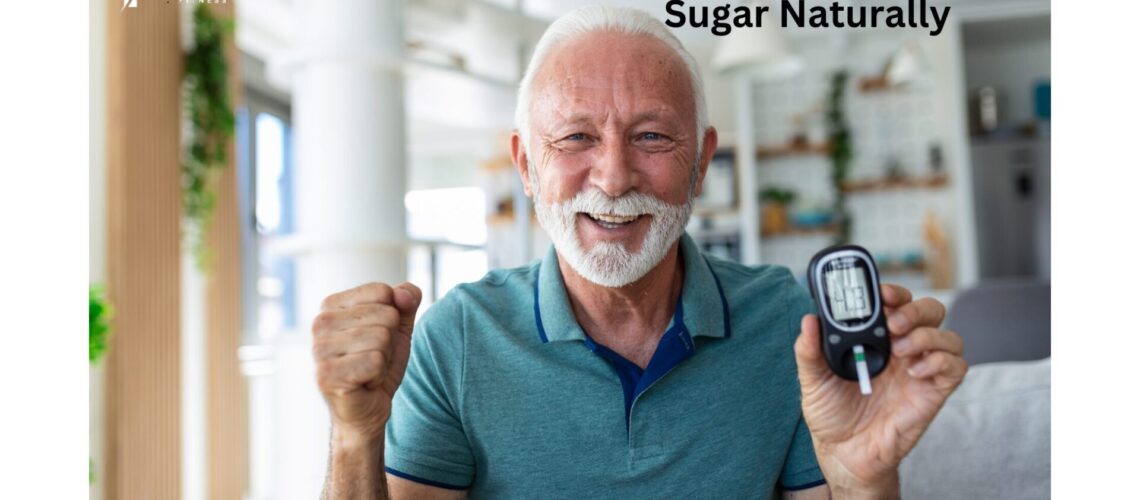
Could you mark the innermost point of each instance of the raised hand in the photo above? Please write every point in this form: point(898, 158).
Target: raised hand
point(361, 341)
point(860, 440)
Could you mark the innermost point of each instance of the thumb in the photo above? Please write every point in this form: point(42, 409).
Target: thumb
point(407, 297)
point(810, 363)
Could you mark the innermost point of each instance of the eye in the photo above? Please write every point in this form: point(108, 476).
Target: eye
point(654, 142)
point(577, 141)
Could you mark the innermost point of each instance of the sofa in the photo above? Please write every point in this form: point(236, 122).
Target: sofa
point(992, 438)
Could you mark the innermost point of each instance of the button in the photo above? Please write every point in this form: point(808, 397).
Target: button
point(879, 331)
point(833, 338)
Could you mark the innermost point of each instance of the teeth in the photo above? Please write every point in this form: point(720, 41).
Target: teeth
point(614, 219)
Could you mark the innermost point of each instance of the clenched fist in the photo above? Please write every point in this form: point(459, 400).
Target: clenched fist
point(361, 340)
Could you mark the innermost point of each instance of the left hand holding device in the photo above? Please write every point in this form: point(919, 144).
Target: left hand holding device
point(860, 440)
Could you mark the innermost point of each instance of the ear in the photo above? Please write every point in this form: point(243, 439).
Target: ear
point(518, 156)
point(708, 149)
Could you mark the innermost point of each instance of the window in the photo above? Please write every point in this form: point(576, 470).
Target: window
point(448, 229)
point(265, 154)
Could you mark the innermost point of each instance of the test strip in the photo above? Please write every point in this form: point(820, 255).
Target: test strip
point(861, 370)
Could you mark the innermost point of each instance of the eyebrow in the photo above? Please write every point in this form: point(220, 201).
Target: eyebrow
point(644, 116)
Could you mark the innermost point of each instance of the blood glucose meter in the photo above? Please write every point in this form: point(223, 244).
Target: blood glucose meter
point(853, 329)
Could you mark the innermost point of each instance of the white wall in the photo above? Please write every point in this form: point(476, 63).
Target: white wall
point(97, 214)
point(718, 94)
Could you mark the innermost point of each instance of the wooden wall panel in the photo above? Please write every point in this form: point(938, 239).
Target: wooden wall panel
point(227, 444)
point(144, 73)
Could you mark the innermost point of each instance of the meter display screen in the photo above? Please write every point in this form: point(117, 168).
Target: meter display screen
point(848, 293)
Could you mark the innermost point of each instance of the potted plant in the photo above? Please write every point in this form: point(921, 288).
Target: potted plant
point(775, 212)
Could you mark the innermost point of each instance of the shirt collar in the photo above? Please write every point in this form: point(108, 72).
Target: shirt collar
point(705, 313)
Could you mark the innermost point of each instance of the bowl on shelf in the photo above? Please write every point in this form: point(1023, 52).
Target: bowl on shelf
point(912, 258)
point(811, 218)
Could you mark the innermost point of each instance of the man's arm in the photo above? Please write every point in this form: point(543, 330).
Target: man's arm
point(361, 345)
point(860, 440)
point(821, 492)
point(357, 472)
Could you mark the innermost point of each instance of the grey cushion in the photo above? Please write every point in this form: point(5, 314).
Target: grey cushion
point(1002, 321)
point(991, 439)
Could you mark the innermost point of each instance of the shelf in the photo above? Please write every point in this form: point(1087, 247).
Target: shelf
point(829, 229)
point(930, 182)
point(790, 149)
point(871, 84)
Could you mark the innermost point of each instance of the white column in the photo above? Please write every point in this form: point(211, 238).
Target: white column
point(348, 118)
point(349, 140)
point(193, 373)
point(746, 162)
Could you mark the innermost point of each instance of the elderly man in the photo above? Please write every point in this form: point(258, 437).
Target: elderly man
point(624, 364)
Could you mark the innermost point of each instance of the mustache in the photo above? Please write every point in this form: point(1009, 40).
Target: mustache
point(630, 204)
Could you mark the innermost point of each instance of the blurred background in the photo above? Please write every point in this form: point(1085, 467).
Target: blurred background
point(250, 157)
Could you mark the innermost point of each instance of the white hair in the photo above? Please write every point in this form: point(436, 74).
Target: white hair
point(607, 19)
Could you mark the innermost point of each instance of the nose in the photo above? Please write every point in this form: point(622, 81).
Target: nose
point(612, 171)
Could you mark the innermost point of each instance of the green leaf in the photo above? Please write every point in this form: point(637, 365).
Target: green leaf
point(99, 329)
point(207, 103)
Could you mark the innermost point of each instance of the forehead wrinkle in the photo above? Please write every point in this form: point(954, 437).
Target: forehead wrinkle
point(616, 78)
point(571, 107)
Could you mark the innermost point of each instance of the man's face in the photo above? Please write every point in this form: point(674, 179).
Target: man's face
point(612, 153)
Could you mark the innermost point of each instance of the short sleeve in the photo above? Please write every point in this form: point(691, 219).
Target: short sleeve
point(425, 439)
point(801, 470)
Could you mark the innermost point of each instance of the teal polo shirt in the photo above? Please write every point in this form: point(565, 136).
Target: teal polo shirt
point(506, 396)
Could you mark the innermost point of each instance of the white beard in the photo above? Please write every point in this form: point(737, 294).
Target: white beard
point(610, 264)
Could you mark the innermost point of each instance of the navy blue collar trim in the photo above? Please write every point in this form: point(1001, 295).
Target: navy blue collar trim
point(537, 312)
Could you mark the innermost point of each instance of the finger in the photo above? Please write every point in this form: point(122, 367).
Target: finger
point(350, 372)
point(922, 312)
point(810, 363)
point(939, 363)
point(370, 293)
point(894, 295)
point(353, 340)
point(407, 299)
point(924, 339)
point(354, 316)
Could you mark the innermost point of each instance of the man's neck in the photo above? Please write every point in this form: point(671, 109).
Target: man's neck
point(629, 320)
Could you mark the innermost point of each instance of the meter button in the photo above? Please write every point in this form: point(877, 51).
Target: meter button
point(833, 338)
point(879, 331)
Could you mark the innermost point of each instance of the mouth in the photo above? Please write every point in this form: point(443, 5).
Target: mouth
point(611, 221)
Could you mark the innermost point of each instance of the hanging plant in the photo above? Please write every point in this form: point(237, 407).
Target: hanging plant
point(206, 96)
point(841, 152)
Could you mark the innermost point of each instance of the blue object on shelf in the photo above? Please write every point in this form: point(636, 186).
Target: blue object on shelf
point(912, 257)
point(811, 218)
point(883, 259)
